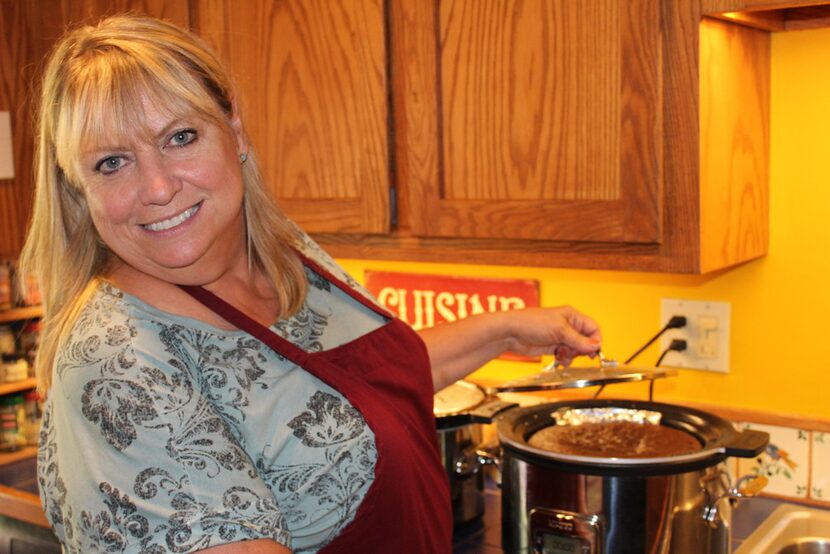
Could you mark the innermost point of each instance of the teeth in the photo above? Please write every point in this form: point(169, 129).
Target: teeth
point(173, 221)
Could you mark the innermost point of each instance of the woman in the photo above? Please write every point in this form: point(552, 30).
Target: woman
point(215, 382)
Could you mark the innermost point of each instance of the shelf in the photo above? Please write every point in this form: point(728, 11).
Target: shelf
point(18, 314)
point(17, 386)
point(22, 454)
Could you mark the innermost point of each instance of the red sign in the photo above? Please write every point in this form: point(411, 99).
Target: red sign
point(427, 300)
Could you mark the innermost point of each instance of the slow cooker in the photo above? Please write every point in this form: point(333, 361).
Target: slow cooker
point(559, 502)
point(463, 408)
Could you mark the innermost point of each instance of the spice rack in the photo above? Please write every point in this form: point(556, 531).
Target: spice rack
point(12, 316)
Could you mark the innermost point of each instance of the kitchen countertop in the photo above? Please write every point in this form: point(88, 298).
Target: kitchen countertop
point(483, 535)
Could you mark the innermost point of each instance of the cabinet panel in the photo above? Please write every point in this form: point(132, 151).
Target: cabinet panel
point(734, 150)
point(312, 76)
point(547, 118)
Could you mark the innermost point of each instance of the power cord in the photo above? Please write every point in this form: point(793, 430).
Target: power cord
point(675, 322)
point(678, 345)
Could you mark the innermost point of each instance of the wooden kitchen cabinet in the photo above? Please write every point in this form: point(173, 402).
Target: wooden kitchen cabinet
point(591, 134)
point(548, 118)
point(570, 134)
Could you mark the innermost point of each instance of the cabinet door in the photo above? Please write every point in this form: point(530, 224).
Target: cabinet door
point(312, 76)
point(530, 119)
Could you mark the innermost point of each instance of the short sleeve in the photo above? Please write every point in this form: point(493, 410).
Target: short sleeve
point(135, 457)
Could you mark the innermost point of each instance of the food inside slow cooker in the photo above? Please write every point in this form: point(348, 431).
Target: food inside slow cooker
point(617, 439)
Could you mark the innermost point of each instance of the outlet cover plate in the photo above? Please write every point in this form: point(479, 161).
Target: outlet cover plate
point(706, 333)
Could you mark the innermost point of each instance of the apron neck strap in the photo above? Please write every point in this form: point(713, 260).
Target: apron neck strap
point(236, 317)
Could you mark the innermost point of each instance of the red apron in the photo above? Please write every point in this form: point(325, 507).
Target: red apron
point(385, 374)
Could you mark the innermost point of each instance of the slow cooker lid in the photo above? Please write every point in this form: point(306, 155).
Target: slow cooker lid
point(582, 377)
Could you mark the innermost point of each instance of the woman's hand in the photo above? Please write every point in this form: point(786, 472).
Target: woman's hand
point(563, 332)
point(459, 348)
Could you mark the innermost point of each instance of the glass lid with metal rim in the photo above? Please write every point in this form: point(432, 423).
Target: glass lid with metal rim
point(556, 377)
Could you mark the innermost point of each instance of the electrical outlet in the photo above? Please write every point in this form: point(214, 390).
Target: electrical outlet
point(706, 334)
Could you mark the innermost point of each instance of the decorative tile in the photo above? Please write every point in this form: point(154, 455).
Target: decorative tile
point(820, 467)
point(786, 461)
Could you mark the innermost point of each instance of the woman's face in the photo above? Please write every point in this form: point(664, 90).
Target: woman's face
point(170, 205)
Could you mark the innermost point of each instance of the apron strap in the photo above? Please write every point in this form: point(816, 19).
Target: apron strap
point(236, 317)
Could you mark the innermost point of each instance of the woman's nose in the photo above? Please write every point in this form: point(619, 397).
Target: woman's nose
point(159, 183)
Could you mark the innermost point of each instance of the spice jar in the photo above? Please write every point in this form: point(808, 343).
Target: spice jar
point(12, 423)
point(14, 369)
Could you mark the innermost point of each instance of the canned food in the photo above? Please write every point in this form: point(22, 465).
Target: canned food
point(12, 423)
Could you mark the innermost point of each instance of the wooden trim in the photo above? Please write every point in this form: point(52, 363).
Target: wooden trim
point(19, 314)
point(18, 455)
point(17, 386)
point(22, 506)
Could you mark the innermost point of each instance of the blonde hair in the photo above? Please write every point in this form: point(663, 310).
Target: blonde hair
point(94, 82)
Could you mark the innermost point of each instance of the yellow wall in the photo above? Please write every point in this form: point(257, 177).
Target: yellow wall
point(780, 341)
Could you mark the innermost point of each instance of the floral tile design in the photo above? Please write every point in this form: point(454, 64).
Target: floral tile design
point(786, 461)
point(820, 473)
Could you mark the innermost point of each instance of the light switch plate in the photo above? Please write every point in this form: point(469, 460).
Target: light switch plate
point(706, 334)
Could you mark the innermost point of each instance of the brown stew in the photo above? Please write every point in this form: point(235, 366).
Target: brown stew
point(616, 439)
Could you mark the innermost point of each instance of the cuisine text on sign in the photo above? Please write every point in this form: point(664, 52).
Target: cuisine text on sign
point(427, 300)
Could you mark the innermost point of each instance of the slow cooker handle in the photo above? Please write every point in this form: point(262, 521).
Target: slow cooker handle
point(747, 444)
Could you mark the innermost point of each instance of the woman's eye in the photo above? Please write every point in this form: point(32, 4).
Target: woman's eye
point(183, 137)
point(109, 165)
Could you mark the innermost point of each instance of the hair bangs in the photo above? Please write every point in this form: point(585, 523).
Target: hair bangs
point(105, 99)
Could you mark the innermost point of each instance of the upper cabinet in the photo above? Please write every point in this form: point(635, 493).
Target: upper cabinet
point(589, 134)
point(574, 134)
point(608, 134)
point(314, 83)
point(543, 120)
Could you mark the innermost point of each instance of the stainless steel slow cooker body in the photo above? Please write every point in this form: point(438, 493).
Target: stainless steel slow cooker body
point(556, 503)
point(461, 410)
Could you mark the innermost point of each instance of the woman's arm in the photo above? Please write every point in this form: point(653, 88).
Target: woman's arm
point(459, 348)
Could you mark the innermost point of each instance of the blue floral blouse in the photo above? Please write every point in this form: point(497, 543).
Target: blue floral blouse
point(164, 434)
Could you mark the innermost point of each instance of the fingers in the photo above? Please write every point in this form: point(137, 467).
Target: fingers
point(580, 336)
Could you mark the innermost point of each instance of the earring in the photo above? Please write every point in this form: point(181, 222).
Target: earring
point(243, 157)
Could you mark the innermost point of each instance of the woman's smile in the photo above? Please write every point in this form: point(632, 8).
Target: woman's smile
point(175, 221)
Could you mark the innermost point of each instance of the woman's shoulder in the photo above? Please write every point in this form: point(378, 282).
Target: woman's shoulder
point(314, 252)
point(115, 333)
